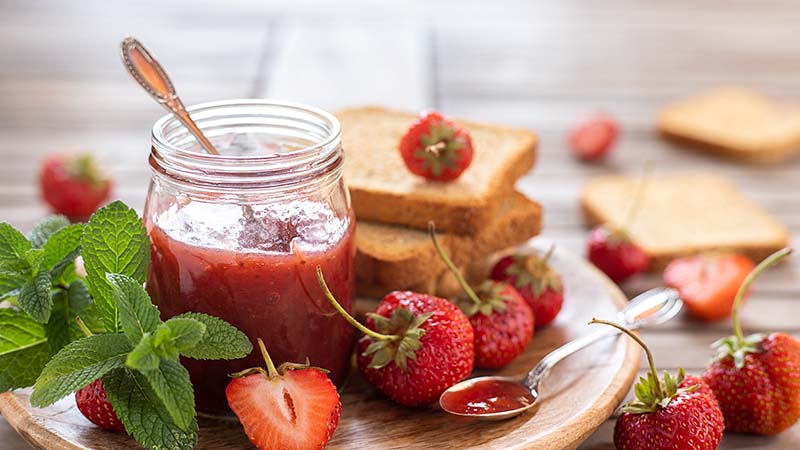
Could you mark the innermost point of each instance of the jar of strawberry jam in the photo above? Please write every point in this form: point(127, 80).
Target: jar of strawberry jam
point(239, 235)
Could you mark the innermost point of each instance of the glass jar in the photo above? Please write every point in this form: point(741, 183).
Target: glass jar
point(239, 235)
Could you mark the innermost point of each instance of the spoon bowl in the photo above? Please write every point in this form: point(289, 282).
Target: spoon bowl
point(483, 397)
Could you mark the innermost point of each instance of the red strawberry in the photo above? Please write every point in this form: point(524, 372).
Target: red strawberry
point(708, 283)
point(94, 405)
point(436, 148)
point(756, 378)
point(502, 321)
point(540, 286)
point(593, 138)
point(293, 407)
point(415, 346)
point(615, 254)
point(73, 185)
point(676, 413)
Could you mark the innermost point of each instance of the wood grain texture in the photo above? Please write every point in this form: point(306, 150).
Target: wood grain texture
point(576, 398)
point(537, 64)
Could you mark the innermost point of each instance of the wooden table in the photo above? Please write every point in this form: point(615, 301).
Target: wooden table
point(535, 64)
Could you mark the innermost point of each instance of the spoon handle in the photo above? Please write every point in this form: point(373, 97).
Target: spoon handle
point(146, 70)
point(551, 359)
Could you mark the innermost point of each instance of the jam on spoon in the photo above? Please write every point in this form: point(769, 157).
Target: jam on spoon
point(487, 396)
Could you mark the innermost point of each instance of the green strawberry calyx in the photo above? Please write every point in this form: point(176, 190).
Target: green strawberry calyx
point(739, 346)
point(534, 272)
point(396, 339)
point(84, 168)
point(487, 299)
point(440, 148)
point(652, 393)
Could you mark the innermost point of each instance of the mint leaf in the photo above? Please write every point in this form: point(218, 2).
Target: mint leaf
point(10, 283)
point(143, 357)
point(34, 297)
point(45, 228)
point(185, 333)
point(114, 242)
point(144, 415)
point(62, 248)
point(62, 328)
point(171, 384)
point(13, 247)
point(77, 365)
point(23, 349)
point(137, 313)
point(220, 341)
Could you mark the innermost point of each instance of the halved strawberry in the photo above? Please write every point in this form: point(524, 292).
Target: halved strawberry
point(293, 407)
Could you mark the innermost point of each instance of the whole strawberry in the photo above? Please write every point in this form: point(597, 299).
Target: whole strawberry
point(436, 148)
point(93, 403)
point(756, 378)
point(676, 413)
point(537, 283)
point(613, 252)
point(73, 185)
point(292, 407)
point(593, 138)
point(414, 345)
point(502, 321)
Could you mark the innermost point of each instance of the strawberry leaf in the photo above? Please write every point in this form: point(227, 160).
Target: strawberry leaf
point(143, 414)
point(220, 341)
point(77, 365)
point(115, 241)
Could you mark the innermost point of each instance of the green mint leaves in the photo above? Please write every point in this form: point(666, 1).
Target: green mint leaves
point(23, 349)
point(115, 241)
point(135, 353)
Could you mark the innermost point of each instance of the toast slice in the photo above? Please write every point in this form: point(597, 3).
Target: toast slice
point(734, 122)
point(383, 190)
point(685, 214)
point(396, 257)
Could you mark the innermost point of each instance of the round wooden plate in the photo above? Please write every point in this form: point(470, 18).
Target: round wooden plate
point(580, 394)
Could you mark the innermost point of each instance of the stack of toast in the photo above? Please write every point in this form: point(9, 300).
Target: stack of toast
point(478, 214)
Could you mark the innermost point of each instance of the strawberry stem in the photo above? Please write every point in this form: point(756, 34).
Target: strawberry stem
point(273, 372)
point(641, 343)
point(449, 263)
point(82, 325)
point(329, 295)
point(755, 273)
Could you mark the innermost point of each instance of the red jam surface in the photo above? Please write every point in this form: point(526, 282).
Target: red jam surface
point(487, 396)
point(271, 293)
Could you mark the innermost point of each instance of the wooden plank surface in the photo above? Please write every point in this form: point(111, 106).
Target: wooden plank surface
point(535, 64)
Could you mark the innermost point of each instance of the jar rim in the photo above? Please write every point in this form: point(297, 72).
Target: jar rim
point(167, 120)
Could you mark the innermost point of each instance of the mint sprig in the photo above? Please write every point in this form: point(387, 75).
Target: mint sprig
point(43, 230)
point(115, 241)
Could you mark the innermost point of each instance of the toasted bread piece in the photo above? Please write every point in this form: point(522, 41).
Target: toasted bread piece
point(684, 214)
point(383, 190)
point(734, 122)
point(396, 257)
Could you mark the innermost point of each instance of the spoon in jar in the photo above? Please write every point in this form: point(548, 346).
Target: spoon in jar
point(146, 70)
point(498, 398)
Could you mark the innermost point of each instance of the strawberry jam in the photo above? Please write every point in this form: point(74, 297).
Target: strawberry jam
point(239, 235)
point(486, 397)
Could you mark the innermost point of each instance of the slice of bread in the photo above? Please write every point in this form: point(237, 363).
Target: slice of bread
point(684, 214)
point(397, 257)
point(383, 190)
point(734, 122)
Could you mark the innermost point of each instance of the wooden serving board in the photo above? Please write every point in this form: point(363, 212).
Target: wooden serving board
point(580, 394)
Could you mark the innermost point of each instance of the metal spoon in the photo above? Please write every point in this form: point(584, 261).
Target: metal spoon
point(144, 68)
point(649, 308)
